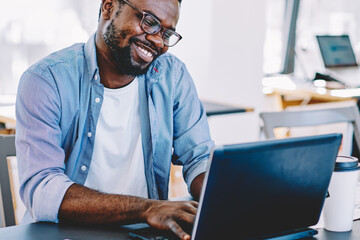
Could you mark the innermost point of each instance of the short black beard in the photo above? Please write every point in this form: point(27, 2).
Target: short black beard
point(122, 55)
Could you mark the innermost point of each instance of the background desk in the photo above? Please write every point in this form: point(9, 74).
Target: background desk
point(7, 100)
point(46, 231)
point(7, 123)
point(290, 92)
point(213, 108)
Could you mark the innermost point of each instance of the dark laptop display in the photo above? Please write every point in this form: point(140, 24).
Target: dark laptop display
point(265, 190)
point(336, 51)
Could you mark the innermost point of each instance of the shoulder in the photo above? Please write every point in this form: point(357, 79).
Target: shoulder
point(170, 67)
point(170, 61)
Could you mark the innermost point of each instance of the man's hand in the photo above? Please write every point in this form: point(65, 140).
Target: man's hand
point(165, 215)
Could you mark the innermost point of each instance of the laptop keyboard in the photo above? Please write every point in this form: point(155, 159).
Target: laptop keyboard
point(149, 233)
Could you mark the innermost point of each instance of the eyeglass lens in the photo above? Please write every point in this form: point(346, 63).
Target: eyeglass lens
point(152, 26)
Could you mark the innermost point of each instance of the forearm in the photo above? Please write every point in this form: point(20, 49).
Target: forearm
point(196, 186)
point(84, 205)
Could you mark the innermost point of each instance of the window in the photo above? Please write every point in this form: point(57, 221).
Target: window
point(30, 30)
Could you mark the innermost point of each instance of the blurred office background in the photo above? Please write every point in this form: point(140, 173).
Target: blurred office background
point(228, 47)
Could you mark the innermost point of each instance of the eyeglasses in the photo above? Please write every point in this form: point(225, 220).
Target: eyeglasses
point(152, 26)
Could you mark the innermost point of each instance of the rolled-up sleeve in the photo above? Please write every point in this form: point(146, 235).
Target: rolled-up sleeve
point(43, 182)
point(192, 141)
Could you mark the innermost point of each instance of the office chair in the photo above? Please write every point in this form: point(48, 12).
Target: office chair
point(349, 114)
point(7, 148)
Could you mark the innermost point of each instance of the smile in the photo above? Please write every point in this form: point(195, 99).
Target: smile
point(147, 53)
point(144, 54)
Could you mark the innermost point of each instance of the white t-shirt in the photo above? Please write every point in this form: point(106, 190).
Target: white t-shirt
point(117, 164)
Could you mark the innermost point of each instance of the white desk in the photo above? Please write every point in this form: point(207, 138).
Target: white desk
point(7, 100)
point(7, 113)
point(296, 92)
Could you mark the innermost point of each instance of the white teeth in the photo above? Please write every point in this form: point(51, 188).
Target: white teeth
point(149, 54)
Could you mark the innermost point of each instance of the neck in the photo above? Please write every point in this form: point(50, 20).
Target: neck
point(109, 75)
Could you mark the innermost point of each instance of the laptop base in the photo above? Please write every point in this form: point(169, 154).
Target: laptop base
point(149, 233)
point(295, 234)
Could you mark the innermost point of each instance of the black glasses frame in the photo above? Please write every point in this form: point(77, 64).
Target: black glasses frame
point(161, 28)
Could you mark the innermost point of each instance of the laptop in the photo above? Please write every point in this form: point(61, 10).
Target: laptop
point(271, 189)
point(339, 58)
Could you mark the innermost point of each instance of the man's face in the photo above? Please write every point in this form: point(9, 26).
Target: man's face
point(131, 48)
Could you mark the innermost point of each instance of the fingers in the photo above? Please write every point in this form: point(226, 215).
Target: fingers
point(175, 228)
point(187, 213)
point(190, 206)
point(191, 211)
point(195, 204)
point(187, 217)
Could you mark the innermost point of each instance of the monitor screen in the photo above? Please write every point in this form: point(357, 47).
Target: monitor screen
point(336, 51)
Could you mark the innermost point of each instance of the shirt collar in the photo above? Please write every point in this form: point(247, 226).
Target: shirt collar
point(90, 55)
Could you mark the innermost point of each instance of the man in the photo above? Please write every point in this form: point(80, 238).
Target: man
point(99, 123)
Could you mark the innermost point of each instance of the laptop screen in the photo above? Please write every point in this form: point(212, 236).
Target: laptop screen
point(336, 50)
point(259, 189)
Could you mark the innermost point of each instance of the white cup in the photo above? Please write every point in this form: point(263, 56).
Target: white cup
point(339, 206)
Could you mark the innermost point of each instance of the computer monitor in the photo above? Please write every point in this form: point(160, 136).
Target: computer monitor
point(336, 51)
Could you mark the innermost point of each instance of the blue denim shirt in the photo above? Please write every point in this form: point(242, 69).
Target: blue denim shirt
point(57, 108)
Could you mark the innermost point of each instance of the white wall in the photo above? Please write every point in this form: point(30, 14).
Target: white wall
point(223, 50)
point(195, 49)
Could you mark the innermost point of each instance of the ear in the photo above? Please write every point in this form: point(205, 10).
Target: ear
point(107, 8)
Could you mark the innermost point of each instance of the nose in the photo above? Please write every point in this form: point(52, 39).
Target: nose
point(156, 39)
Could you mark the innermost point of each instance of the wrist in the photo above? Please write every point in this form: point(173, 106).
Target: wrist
point(148, 205)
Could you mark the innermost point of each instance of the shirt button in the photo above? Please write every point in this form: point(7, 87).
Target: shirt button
point(89, 134)
point(97, 100)
point(83, 168)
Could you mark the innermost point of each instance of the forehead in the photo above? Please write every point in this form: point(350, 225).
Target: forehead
point(167, 11)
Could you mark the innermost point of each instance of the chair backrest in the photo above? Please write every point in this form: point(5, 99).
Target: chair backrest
point(7, 148)
point(302, 118)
